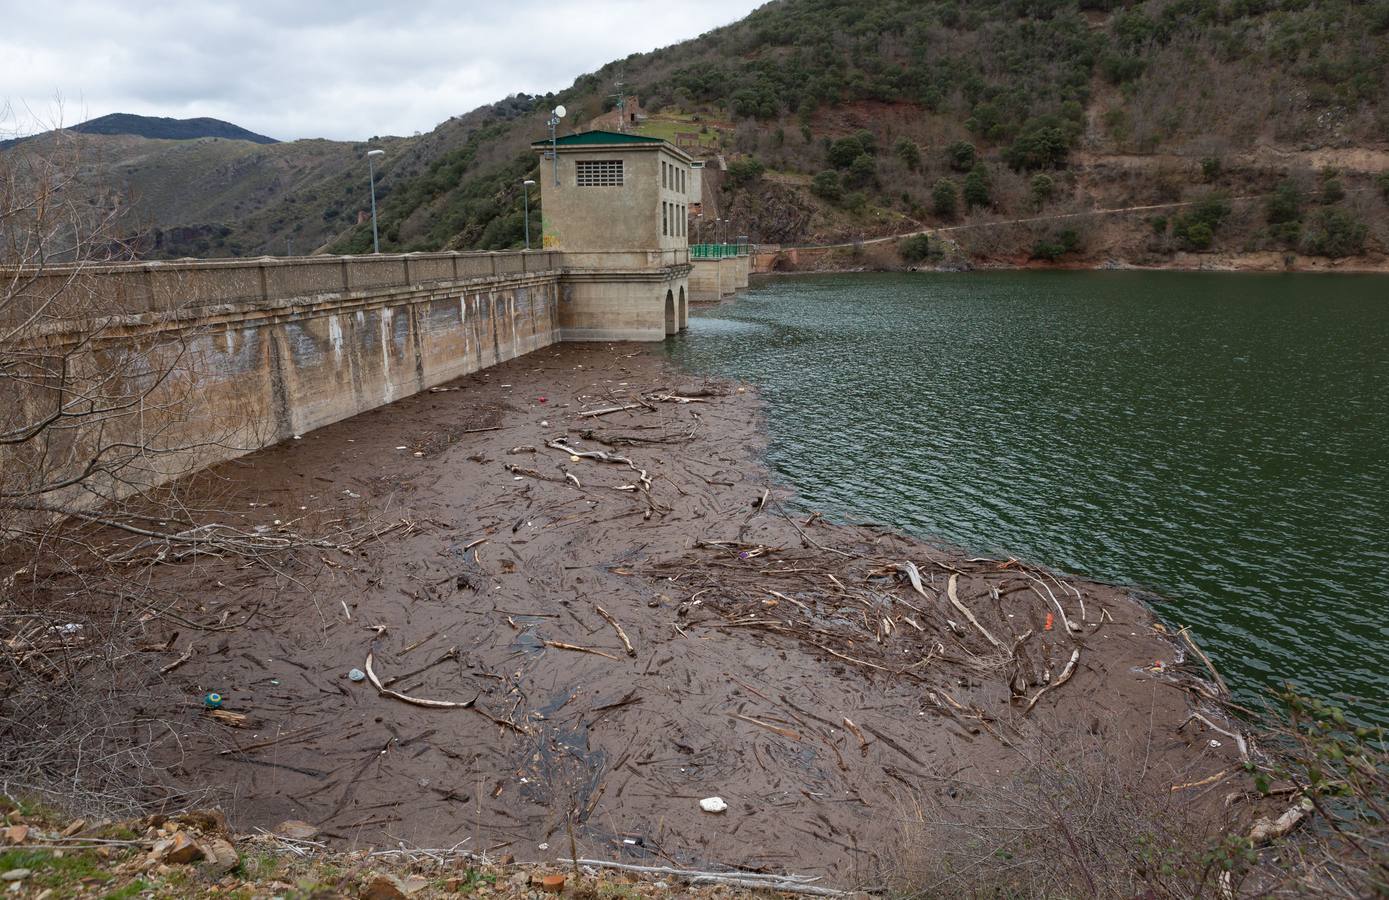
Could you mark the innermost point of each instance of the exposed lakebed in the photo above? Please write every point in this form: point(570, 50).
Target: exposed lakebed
point(1222, 440)
point(607, 644)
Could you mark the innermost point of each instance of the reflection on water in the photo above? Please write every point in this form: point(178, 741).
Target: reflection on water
point(1220, 439)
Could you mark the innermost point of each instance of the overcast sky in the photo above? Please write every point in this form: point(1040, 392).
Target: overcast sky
point(342, 69)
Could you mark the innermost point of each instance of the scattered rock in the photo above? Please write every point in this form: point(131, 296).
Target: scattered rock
point(392, 887)
point(16, 834)
point(220, 855)
point(552, 883)
point(14, 875)
point(296, 830)
point(177, 850)
point(204, 820)
point(383, 887)
point(73, 827)
point(713, 804)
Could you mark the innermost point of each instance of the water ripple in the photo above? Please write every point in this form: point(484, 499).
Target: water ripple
point(1222, 440)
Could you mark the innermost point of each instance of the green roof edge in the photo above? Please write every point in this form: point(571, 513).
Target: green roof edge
point(601, 137)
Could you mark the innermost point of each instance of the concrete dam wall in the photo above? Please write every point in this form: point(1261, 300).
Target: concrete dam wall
point(182, 365)
point(713, 279)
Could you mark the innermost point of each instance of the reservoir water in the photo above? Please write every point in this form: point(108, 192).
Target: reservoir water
point(1221, 440)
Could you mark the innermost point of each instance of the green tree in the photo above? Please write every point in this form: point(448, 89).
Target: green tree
point(1212, 210)
point(977, 187)
point(1332, 191)
point(961, 156)
point(1196, 229)
point(1284, 212)
point(863, 172)
point(915, 248)
point(1053, 248)
point(1335, 233)
point(755, 102)
point(1040, 147)
point(943, 196)
point(1043, 187)
point(827, 186)
point(909, 153)
point(1211, 168)
point(1383, 182)
point(1198, 236)
point(742, 172)
point(1284, 204)
point(844, 151)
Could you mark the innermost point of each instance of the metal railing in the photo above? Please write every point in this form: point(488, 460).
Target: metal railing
point(717, 251)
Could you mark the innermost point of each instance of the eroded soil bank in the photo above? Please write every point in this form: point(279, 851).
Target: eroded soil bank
point(758, 635)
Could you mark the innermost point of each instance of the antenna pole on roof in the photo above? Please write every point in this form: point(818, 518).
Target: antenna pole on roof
point(558, 113)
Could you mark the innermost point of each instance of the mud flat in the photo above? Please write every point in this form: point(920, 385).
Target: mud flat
point(622, 638)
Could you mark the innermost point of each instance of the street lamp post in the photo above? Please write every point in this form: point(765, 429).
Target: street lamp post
point(371, 169)
point(526, 202)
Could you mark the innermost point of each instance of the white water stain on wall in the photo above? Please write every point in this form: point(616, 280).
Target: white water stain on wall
point(517, 301)
point(335, 337)
point(389, 390)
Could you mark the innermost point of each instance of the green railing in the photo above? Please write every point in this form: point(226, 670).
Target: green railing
point(717, 251)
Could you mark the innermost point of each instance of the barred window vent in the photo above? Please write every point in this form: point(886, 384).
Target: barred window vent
point(599, 172)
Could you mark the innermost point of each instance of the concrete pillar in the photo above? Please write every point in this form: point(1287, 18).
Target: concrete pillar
point(728, 276)
point(704, 281)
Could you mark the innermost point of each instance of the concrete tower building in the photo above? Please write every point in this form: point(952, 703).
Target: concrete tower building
point(618, 203)
point(614, 191)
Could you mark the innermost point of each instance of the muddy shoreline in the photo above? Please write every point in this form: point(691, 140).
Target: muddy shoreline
point(801, 670)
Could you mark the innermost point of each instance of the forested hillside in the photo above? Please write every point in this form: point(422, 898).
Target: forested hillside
point(1244, 127)
point(843, 120)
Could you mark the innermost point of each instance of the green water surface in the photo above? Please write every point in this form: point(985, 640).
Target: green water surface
point(1222, 440)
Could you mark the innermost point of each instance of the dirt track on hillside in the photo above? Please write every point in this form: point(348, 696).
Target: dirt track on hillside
point(756, 638)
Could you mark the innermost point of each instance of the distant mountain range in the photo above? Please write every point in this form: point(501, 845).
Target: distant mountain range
point(162, 128)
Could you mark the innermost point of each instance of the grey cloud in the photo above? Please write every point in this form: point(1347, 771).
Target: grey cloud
point(347, 69)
